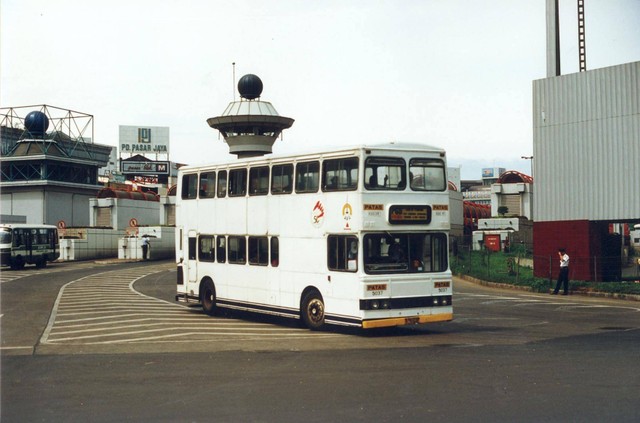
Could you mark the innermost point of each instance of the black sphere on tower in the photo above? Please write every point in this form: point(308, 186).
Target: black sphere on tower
point(36, 123)
point(250, 87)
point(250, 126)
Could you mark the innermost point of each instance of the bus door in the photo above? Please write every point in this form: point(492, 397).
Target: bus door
point(342, 261)
point(192, 263)
point(29, 240)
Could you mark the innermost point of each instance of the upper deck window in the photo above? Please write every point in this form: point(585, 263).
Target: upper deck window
point(189, 186)
point(237, 182)
point(282, 179)
point(427, 175)
point(340, 174)
point(307, 177)
point(207, 185)
point(259, 180)
point(222, 184)
point(385, 173)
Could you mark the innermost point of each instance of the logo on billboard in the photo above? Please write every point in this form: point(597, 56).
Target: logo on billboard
point(144, 135)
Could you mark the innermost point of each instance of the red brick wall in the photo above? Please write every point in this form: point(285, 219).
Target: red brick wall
point(581, 240)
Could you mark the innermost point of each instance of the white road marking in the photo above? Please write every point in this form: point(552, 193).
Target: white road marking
point(104, 308)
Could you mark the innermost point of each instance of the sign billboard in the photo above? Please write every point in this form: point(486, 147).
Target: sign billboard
point(144, 168)
point(144, 140)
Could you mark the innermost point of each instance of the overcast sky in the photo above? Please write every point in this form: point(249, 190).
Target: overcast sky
point(452, 73)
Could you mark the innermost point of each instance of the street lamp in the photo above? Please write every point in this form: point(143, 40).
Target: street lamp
point(529, 158)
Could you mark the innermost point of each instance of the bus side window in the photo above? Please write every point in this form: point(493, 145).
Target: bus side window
point(221, 249)
point(207, 187)
point(259, 180)
point(342, 253)
point(205, 248)
point(189, 186)
point(258, 250)
point(282, 179)
point(340, 174)
point(222, 184)
point(275, 251)
point(307, 177)
point(237, 250)
point(53, 237)
point(237, 182)
point(18, 238)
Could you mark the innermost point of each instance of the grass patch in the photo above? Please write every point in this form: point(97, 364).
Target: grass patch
point(503, 268)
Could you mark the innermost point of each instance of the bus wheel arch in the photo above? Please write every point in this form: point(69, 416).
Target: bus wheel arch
point(312, 309)
point(208, 296)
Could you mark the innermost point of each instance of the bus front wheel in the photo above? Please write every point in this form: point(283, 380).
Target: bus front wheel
point(312, 311)
point(208, 297)
point(17, 263)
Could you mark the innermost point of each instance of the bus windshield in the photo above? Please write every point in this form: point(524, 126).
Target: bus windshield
point(427, 175)
point(5, 237)
point(405, 252)
point(385, 173)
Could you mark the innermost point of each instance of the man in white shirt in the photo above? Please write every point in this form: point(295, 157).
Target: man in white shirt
point(145, 246)
point(563, 276)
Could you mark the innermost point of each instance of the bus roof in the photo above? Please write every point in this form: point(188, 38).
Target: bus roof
point(26, 225)
point(391, 146)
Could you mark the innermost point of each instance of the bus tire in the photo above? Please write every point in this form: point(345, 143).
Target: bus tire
point(42, 263)
point(17, 263)
point(312, 311)
point(208, 297)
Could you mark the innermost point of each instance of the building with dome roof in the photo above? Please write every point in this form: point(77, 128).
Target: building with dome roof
point(49, 164)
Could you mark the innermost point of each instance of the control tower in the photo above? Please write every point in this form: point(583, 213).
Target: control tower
point(250, 126)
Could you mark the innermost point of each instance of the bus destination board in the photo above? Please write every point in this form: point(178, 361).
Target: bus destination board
point(409, 215)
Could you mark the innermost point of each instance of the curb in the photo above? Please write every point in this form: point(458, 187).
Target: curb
point(597, 294)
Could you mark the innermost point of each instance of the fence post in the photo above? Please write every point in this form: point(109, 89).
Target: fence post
point(550, 280)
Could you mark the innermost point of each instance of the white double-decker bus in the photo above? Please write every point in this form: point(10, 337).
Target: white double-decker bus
point(356, 236)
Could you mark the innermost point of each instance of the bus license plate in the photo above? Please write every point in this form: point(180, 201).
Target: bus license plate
point(411, 320)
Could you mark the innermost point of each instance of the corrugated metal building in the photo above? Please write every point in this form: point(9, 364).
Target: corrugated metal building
point(586, 144)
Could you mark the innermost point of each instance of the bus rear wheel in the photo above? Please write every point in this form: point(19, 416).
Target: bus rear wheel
point(208, 297)
point(312, 311)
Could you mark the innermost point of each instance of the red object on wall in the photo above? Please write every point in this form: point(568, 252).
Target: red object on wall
point(492, 242)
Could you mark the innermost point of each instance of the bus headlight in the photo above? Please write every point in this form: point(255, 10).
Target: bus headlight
point(382, 304)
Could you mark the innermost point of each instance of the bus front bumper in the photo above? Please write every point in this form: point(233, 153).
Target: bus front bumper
point(410, 320)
